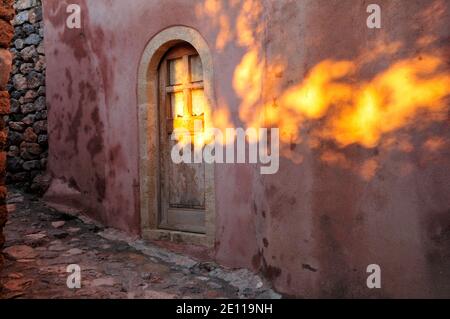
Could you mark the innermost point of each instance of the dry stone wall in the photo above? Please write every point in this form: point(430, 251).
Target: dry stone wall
point(6, 35)
point(27, 122)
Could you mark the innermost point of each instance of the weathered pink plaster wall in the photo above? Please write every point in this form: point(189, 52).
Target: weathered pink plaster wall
point(314, 227)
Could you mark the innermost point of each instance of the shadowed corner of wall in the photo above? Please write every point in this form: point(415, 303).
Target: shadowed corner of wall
point(61, 196)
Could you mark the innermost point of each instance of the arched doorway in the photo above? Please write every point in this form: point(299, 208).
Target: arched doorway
point(181, 97)
point(177, 202)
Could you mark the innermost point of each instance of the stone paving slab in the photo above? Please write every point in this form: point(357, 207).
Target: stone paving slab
point(42, 242)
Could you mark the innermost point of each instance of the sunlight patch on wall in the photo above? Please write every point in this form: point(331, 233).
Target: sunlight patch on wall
point(335, 101)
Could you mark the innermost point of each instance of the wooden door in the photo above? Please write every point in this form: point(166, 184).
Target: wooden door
point(182, 186)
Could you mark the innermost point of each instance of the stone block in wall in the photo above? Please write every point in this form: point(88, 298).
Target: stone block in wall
point(6, 33)
point(5, 67)
point(25, 4)
point(6, 10)
point(28, 54)
point(3, 138)
point(4, 103)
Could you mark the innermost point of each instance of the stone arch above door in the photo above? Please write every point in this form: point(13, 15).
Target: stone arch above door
point(149, 133)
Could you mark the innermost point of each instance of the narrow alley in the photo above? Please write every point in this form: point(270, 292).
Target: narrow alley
point(209, 149)
point(42, 242)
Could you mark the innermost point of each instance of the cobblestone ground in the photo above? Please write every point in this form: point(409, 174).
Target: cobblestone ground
point(42, 242)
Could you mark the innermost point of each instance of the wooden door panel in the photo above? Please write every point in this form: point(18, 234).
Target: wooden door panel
point(182, 186)
point(186, 185)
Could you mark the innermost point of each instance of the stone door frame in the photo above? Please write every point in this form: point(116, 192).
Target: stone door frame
point(148, 108)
